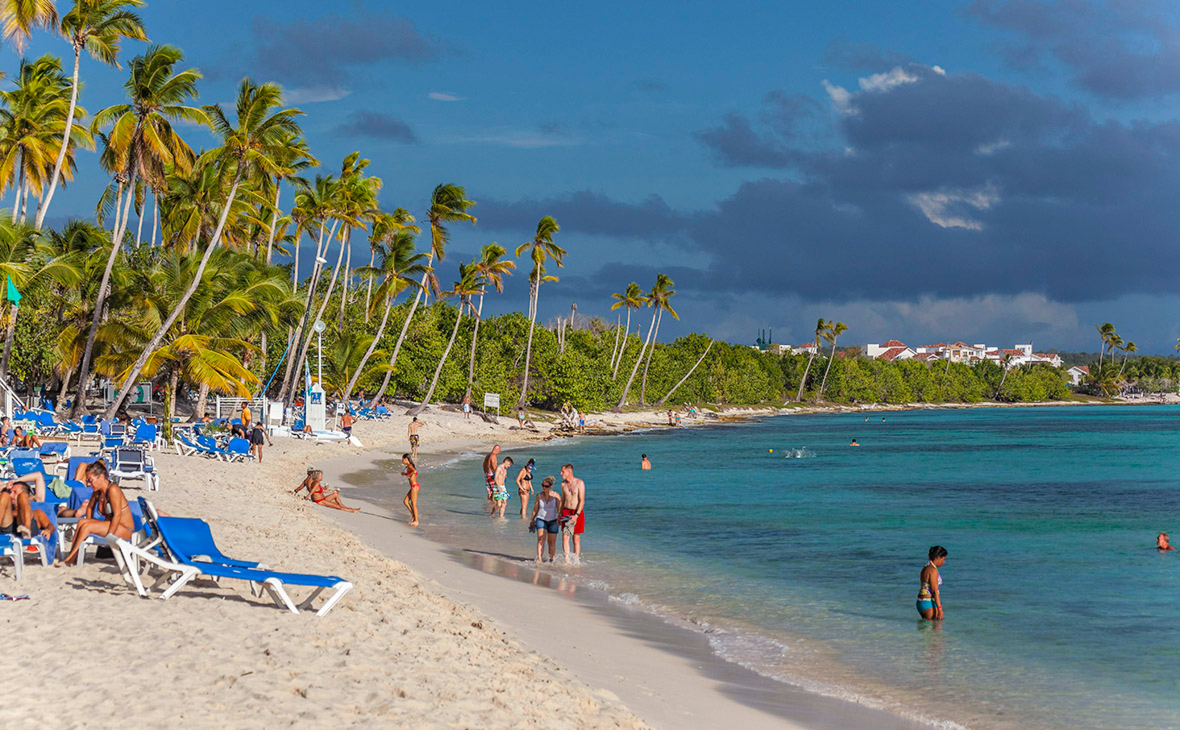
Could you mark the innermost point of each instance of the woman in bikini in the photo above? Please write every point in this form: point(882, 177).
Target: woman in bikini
point(107, 501)
point(411, 500)
point(524, 484)
point(314, 484)
point(929, 592)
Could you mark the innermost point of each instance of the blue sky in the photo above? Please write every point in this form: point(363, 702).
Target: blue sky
point(993, 171)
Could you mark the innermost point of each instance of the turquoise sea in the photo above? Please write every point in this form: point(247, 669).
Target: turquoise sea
point(803, 563)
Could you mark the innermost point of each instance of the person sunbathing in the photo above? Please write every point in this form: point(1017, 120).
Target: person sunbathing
point(34, 485)
point(314, 484)
point(107, 511)
point(23, 440)
point(17, 514)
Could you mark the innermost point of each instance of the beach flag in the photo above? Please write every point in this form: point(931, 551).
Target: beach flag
point(12, 294)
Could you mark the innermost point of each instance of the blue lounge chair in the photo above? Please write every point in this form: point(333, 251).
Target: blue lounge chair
point(58, 449)
point(45, 549)
point(146, 435)
point(191, 541)
point(11, 548)
point(25, 465)
point(185, 447)
point(173, 533)
point(238, 449)
point(135, 464)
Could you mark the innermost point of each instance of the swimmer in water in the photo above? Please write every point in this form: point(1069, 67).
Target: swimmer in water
point(644, 464)
point(854, 443)
point(1162, 544)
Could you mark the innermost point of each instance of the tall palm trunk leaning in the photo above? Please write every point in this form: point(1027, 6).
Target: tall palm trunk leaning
point(832, 332)
point(819, 327)
point(687, 375)
point(660, 298)
point(541, 249)
point(635, 369)
point(470, 283)
point(493, 269)
point(632, 298)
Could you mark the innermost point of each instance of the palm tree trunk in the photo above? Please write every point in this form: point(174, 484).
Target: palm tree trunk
point(635, 370)
point(24, 203)
point(474, 338)
point(139, 227)
point(803, 383)
point(16, 190)
point(290, 374)
point(295, 268)
point(1126, 356)
point(401, 337)
point(528, 350)
point(88, 351)
point(137, 368)
point(623, 347)
point(438, 370)
point(118, 207)
point(828, 369)
point(614, 350)
point(687, 375)
point(8, 341)
point(369, 293)
point(274, 221)
point(65, 141)
point(372, 348)
point(650, 352)
point(155, 220)
point(1001, 385)
point(323, 306)
point(347, 277)
point(129, 198)
point(173, 379)
point(202, 401)
point(65, 387)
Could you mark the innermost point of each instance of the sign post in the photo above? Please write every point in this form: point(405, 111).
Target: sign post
point(491, 400)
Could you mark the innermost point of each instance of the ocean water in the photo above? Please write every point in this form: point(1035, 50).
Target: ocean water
point(802, 563)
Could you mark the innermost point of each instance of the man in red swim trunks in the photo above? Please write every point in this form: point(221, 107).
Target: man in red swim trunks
point(573, 508)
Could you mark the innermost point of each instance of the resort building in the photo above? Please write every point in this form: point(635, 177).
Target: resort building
point(960, 352)
point(1077, 374)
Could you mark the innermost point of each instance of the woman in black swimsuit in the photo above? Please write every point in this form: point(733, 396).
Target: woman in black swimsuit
point(524, 484)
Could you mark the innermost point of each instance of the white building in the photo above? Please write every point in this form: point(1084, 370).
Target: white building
point(1078, 373)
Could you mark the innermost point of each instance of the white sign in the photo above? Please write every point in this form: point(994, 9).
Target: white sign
point(143, 393)
point(491, 400)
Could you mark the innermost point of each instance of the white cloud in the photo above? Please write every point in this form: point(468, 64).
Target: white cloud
point(521, 138)
point(946, 208)
point(444, 96)
point(991, 148)
point(841, 98)
point(315, 94)
point(938, 70)
point(886, 81)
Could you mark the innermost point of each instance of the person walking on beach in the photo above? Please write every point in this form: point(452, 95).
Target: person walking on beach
point(411, 500)
point(258, 436)
point(346, 422)
point(544, 519)
point(644, 464)
point(930, 587)
point(415, 439)
point(524, 484)
point(499, 489)
point(467, 407)
point(581, 421)
point(489, 471)
point(573, 512)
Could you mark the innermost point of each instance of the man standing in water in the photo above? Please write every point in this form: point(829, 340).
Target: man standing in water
point(644, 463)
point(573, 508)
point(415, 439)
point(490, 462)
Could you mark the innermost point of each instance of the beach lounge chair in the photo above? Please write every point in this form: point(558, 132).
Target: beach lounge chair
point(272, 582)
point(135, 464)
point(45, 550)
point(23, 465)
point(57, 450)
point(11, 548)
point(238, 449)
point(98, 540)
point(187, 447)
point(146, 435)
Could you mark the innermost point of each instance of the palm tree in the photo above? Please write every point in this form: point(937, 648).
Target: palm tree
point(662, 401)
point(385, 227)
point(294, 156)
point(1006, 364)
point(660, 278)
point(97, 26)
point(660, 297)
point(820, 327)
point(632, 298)
point(1105, 330)
point(248, 148)
point(398, 268)
point(1127, 349)
point(830, 334)
point(18, 18)
point(470, 283)
point(448, 204)
point(144, 142)
point(541, 249)
point(491, 266)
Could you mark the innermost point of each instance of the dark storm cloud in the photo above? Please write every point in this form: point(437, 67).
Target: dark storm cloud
point(585, 212)
point(956, 186)
point(1116, 49)
point(861, 56)
point(325, 50)
point(736, 143)
point(376, 125)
